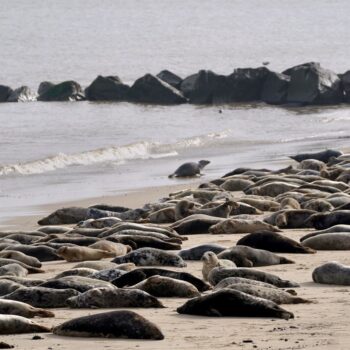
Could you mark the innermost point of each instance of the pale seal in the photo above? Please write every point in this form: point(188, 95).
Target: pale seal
point(13, 324)
point(140, 274)
point(241, 226)
point(228, 302)
point(77, 254)
point(115, 324)
point(12, 307)
point(166, 287)
point(210, 261)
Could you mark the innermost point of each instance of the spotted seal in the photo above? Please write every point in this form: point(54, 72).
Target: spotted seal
point(150, 257)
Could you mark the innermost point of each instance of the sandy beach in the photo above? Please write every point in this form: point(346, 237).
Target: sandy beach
point(323, 324)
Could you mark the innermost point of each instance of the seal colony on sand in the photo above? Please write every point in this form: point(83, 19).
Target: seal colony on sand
point(245, 215)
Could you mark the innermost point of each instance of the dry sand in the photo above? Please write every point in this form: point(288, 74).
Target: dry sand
point(324, 324)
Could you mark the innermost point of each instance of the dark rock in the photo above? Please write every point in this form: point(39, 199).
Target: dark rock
point(37, 337)
point(345, 80)
point(207, 87)
point(109, 88)
point(312, 84)
point(5, 92)
point(4, 345)
point(170, 78)
point(44, 86)
point(275, 88)
point(150, 89)
point(203, 87)
point(245, 85)
point(66, 91)
point(22, 94)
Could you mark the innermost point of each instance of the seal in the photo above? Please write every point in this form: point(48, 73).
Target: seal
point(278, 296)
point(19, 256)
point(196, 253)
point(5, 262)
point(273, 242)
point(227, 282)
point(219, 273)
point(76, 254)
point(115, 324)
point(244, 256)
point(113, 297)
point(294, 218)
point(289, 203)
point(332, 273)
point(166, 287)
point(318, 205)
point(79, 283)
point(229, 302)
point(323, 156)
point(13, 324)
point(81, 241)
point(271, 189)
point(22, 280)
point(82, 271)
point(162, 216)
point(8, 286)
point(236, 184)
point(329, 241)
point(108, 246)
point(196, 223)
point(336, 228)
point(96, 265)
point(260, 203)
point(150, 257)
point(241, 226)
point(210, 261)
point(190, 169)
point(12, 307)
point(108, 275)
point(42, 297)
point(140, 274)
point(41, 252)
point(71, 215)
point(13, 270)
point(322, 221)
point(144, 241)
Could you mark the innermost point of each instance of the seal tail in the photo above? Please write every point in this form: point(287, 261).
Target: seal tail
point(301, 301)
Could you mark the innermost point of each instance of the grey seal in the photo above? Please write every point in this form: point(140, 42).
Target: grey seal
point(113, 298)
point(273, 242)
point(228, 302)
point(140, 274)
point(42, 297)
point(278, 296)
point(13, 324)
point(150, 257)
point(244, 256)
point(115, 324)
point(189, 169)
point(329, 241)
point(12, 307)
point(79, 283)
point(219, 273)
point(166, 287)
point(332, 273)
point(196, 253)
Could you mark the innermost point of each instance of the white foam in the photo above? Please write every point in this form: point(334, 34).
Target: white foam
point(139, 150)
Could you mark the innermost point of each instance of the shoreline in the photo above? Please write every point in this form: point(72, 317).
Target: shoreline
point(128, 198)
